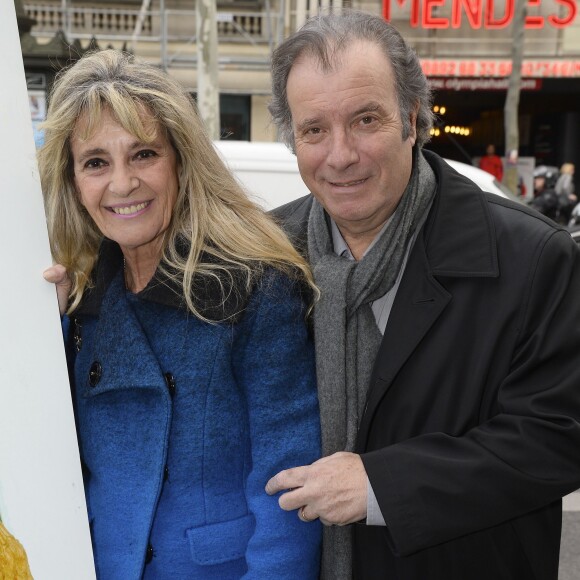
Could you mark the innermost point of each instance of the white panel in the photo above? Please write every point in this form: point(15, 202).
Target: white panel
point(41, 493)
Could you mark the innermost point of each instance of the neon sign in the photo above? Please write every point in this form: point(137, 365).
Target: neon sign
point(499, 68)
point(480, 14)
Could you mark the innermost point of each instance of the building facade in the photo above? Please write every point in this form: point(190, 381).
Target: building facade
point(465, 47)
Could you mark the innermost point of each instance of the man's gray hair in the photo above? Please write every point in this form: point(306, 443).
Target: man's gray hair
point(324, 37)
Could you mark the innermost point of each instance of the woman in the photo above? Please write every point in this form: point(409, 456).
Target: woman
point(192, 366)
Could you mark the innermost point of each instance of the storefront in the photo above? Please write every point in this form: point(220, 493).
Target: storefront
point(465, 48)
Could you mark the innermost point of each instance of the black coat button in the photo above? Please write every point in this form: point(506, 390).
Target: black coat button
point(149, 554)
point(95, 374)
point(170, 382)
point(166, 473)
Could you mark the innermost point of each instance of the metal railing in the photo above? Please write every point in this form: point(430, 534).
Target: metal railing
point(130, 25)
point(174, 30)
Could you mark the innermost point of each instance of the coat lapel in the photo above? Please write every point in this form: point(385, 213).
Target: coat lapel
point(420, 301)
point(441, 250)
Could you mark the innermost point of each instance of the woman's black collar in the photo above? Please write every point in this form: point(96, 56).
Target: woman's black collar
point(221, 299)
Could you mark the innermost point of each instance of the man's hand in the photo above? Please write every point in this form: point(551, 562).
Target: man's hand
point(58, 276)
point(333, 488)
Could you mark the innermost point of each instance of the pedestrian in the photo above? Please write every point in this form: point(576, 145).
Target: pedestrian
point(545, 199)
point(565, 190)
point(565, 182)
point(492, 163)
point(192, 367)
point(447, 332)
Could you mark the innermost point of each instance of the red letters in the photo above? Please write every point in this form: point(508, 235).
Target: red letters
point(534, 22)
point(485, 70)
point(472, 11)
point(414, 21)
point(430, 21)
point(478, 13)
point(566, 20)
point(490, 21)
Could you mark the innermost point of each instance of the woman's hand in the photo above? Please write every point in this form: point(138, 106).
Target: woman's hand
point(57, 275)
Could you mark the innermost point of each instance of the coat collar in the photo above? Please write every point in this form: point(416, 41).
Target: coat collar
point(209, 292)
point(471, 250)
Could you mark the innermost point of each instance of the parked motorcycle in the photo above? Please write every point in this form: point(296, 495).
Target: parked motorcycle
point(546, 200)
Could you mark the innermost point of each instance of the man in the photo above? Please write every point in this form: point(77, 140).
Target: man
point(447, 332)
point(492, 163)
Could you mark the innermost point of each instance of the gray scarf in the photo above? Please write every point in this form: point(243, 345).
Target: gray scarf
point(346, 335)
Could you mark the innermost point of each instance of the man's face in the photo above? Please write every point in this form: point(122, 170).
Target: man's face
point(348, 136)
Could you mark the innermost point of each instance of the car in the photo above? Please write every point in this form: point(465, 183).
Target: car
point(269, 172)
point(483, 179)
point(575, 233)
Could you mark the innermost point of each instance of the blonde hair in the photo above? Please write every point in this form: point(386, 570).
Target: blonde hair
point(212, 216)
point(567, 168)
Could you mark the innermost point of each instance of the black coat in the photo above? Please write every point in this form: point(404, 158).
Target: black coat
point(471, 434)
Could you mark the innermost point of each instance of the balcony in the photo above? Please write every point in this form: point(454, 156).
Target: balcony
point(169, 25)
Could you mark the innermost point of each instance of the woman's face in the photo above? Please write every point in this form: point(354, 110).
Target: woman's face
point(129, 188)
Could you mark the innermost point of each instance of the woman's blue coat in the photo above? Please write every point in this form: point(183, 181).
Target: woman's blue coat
point(182, 423)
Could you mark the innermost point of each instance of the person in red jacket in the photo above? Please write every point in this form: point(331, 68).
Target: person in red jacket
point(492, 163)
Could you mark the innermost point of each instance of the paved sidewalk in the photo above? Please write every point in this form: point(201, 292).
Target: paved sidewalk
point(571, 503)
point(570, 547)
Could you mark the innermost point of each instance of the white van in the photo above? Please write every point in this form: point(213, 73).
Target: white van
point(269, 172)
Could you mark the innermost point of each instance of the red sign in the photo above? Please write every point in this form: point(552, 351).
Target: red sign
point(500, 68)
point(487, 84)
point(480, 14)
